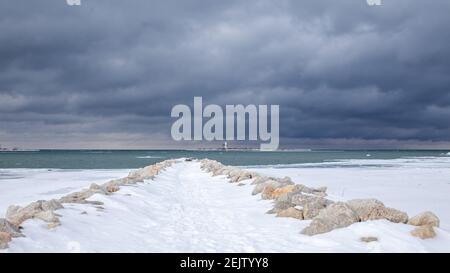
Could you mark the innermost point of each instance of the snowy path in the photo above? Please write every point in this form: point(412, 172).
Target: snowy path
point(186, 210)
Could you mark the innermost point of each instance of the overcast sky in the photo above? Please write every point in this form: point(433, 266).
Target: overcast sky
point(107, 73)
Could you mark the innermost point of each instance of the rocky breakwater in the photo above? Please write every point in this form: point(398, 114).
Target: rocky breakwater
point(305, 203)
point(10, 227)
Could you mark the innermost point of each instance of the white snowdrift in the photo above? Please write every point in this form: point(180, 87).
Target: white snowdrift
point(186, 210)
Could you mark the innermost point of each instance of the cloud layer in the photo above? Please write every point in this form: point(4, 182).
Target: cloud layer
point(107, 73)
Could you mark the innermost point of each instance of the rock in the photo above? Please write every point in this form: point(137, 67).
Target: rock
point(222, 171)
point(372, 209)
point(365, 207)
point(47, 216)
point(259, 188)
point(423, 232)
point(300, 199)
point(425, 218)
point(11, 210)
point(97, 188)
point(244, 175)
point(337, 215)
point(148, 172)
point(5, 238)
point(53, 225)
point(111, 188)
point(17, 215)
point(77, 197)
point(241, 184)
point(312, 209)
point(285, 180)
point(390, 214)
point(368, 239)
point(259, 180)
point(51, 205)
point(281, 191)
point(287, 197)
point(95, 203)
point(304, 189)
point(320, 194)
point(9, 228)
point(225, 171)
point(321, 189)
point(280, 205)
point(291, 212)
point(267, 192)
point(311, 204)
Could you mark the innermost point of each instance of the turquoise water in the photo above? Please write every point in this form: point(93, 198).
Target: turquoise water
point(106, 159)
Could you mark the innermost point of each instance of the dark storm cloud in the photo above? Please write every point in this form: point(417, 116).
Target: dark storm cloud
point(109, 71)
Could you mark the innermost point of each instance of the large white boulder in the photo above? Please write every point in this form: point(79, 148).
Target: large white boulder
point(337, 215)
point(424, 218)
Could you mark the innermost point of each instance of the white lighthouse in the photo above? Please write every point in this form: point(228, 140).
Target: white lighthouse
point(225, 146)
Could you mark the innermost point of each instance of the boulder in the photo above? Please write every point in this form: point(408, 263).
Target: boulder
point(7, 227)
point(17, 215)
point(337, 215)
point(368, 239)
point(301, 199)
point(148, 172)
point(239, 175)
point(286, 180)
point(423, 232)
point(260, 179)
point(267, 192)
point(271, 193)
point(311, 204)
point(77, 197)
point(53, 225)
point(51, 205)
point(226, 171)
point(372, 209)
point(320, 189)
point(43, 210)
point(312, 209)
point(320, 194)
point(279, 206)
point(246, 175)
point(47, 216)
point(259, 188)
point(425, 218)
point(5, 238)
point(304, 189)
point(97, 189)
point(95, 203)
point(285, 196)
point(222, 171)
point(291, 212)
point(110, 187)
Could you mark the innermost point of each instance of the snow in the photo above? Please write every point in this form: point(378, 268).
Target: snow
point(187, 210)
point(413, 185)
point(23, 186)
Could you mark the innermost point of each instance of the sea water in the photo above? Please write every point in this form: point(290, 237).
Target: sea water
point(130, 159)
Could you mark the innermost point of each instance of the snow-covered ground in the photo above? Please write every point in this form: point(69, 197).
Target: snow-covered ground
point(186, 210)
point(413, 185)
point(23, 186)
